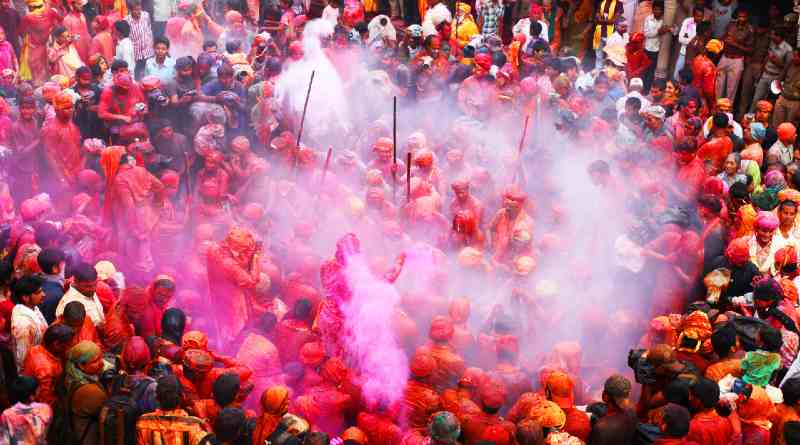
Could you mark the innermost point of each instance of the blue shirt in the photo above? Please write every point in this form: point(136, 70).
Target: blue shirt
point(165, 72)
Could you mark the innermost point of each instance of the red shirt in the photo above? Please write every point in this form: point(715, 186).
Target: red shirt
point(708, 428)
point(114, 103)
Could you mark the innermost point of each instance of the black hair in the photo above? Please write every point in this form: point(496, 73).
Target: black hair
point(703, 27)
point(676, 420)
point(659, 83)
point(723, 340)
point(469, 51)
point(209, 44)
point(162, 40)
point(123, 28)
point(599, 166)
point(229, 424)
point(58, 332)
point(168, 392)
point(720, 120)
point(225, 388)
point(658, 4)
point(684, 146)
point(791, 391)
point(787, 203)
point(535, 28)
point(317, 438)
point(233, 46)
point(685, 75)
point(24, 287)
point(677, 391)
point(710, 202)
point(267, 322)
point(164, 284)
point(738, 190)
point(634, 102)
point(118, 64)
point(83, 70)
point(74, 311)
point(84, 272)
point(302, 309)
point(57, 31)
point(706, 391)
point(23, 388)
point(48, 259)
point(791, 432)
point(46, 233)
point(771, 339)
point(173, 323)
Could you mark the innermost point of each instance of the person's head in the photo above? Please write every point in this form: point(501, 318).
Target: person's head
point(599, 172)
point(225, 75)
point(58, 338)
point(23, 388)
point(161, 47)
point(122, 29)
point(791, 391)
point(616, 390)
point(85, 279)
point(184, 67)
point(27, 108)
point(658, 9)
point(776, 35)
point(697, 14)
point(87, 357)
point(302, 309)
point(704, 394)
point(742, 16)
point(135, 7)
point(173, 323)
point(657, 89)
point(210, 46)
point(601, 86)
point(675, 421)
point(119, 66)
point(74, 315)
point(684, 152)
point(723, 340)
point(529, 432)
point(225, 389)
point(791, 432)
point(731, 164)
point(688, 107)
point(229, 424)
point(28, 291)
point(84, 77)
point(168, 393)
point(771, 338)
point(51, 261)
point(633, 105)
point(787, 211)
point(163, 290)
point(267, 323)
point(60, 35)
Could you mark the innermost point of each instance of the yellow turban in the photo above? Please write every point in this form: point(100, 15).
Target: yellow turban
point(714, 46)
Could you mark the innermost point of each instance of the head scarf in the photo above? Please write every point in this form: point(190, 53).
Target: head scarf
point(758, 367)
point(785, 256)
point(765, 200)
point(274, 405)
point(758, 131)
point(80, 354)
point(775, 181)
point(356, 435)
point(738, 251)
point(766, 221)
point(444, 427)
point(696, 326)
point(136, 354)
point(714, 46)
point(194, 340)
point(548, 414)
point(62, 101)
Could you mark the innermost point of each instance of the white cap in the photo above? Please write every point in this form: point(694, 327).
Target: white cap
point(636, 82)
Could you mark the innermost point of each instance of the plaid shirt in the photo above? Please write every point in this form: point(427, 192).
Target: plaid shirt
point(492, 14)
point(141, 36)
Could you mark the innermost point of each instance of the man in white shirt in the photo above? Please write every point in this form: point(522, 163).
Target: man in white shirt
point(620, 36)
point(331, 12)
point(523, 25)
point(27, 323)
point(687, 32)
point(653, 29)
point(635, 88)
point(83, 290)
point(124, 50)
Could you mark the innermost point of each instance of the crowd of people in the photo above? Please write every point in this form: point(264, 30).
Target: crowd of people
point(507, 222)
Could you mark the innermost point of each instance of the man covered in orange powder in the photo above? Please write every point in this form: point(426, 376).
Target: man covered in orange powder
point(510, 219)
point(420, 400)
point(449, 365)
point(234, 270)
point(62, 144)
point(35, 29)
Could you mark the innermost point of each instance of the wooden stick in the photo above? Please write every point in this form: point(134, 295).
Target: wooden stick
point(408, 177)
point(524, 133)
point(325, 168)
point(394, 149)
point(303, 119)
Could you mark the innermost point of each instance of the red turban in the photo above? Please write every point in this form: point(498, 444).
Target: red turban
point(198, 360)
point(441, 329)
point(514, 193)
point(312, 353)
point(714, 186)
point(492, 393)
point(136, 354)
point(738, 251)
point(424, 158)
point(472, 378)
point(484, 61)
point(334, 371)
point(497, 435)
point(170, 178)
point(383, 145)
point(785, 256)
point(422, 365)
point(89, 179)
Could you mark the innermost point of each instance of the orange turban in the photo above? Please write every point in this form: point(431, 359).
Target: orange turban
point(786, 131)
point(356, 435)
point(789, 195)
point(62, 101)
point(764, 106)
point(789, 290)
point(194, 340)
point(441, 329)
point(548, 414)
point(422, 365)
point(738, 251)
point(198, 360)
point(492, 393)
point(334, 371)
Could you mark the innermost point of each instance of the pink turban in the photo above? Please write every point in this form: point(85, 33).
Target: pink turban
point(766, 221)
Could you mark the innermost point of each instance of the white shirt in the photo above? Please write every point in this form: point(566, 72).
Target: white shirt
point(331, 14)
point(687, 33)
point(617, 39)
point(125, 52)
point(94, 309)
point(163, 10)
point(523, 26)
point(621, 101)
point(27, 330)
point(652, 41)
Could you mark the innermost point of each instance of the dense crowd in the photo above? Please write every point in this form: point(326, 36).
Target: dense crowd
point(384, 222)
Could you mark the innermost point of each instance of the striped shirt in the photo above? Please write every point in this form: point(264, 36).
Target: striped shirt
point(142, 36)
